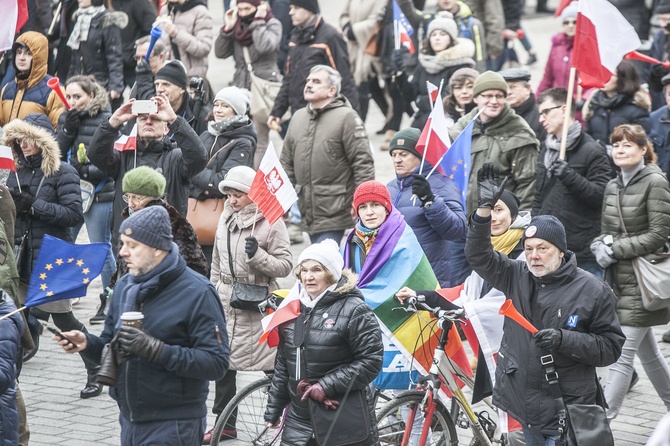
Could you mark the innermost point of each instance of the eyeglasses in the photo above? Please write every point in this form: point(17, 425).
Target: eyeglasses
point(490, 97)
point(570, 22)
point(546, 111)
point(136, 199)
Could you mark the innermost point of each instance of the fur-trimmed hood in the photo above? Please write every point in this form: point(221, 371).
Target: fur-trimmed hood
point(99, 102)
point(109, 18)
point(18, 130)
point(348, 281)
point(460, 53)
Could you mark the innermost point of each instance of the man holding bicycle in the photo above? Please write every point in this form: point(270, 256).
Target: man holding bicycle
point(574, 311)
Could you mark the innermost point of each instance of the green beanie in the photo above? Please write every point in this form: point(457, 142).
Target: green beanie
point(145, 181)
point(405, 139)
point(489, 80)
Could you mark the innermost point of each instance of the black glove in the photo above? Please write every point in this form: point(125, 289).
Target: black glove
point(143, 67)
point(548, 338)
point(658, 71)
point(489, 186)
point(72, 118)
point(398, 58)
point(139, 342)
point(560, 169)
point(349, 32)
point(421, 188)
point(23, 201)
point(251, 246)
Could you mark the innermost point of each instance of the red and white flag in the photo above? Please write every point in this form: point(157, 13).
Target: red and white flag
point(7, 158)
point(15, 15)
point(603, 37)
point(127, 142)
point(288, 310)
point(434, 139)
point(433, 92)
point(271, 189)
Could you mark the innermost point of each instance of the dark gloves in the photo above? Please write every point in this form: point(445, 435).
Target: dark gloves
point(315, 392)
point(560, 169)
point(251, 246)
point(548, 338)
point(23, 201)
point(489, 186)
point(398, 58)
point(421, 188)
point(139, 342)
point(604, 254)
point(348, 31)
point(142, 67)
point(658, 71)
point(72, 118)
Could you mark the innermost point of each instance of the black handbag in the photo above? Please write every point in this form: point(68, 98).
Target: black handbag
point(245, 296)
point(22, 255)
point(348, 425)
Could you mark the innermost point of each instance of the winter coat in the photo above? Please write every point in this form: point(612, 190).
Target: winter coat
point(437, 226)
point(101, 55)
point(577, 199)
point(23, 97)
point(188, 111)
point(659, 135)
point(342, 347)
point(234, 146)
point(326, 155)
point(508, 142)
point(491, 13)
point(658, 51)
point(178, 160)
point(272, 261)
point(141, 15)
point(97, 110)
point(470, 27)
point(530, 112)
point(193, 41)
point(557, 70)
point(316, 44)
point(263, 51)
point(645, 206)
point(11, 329)
point(57, 207)
point(568, 299)
point(182, 310)
point(603, 115)
point(362, 16)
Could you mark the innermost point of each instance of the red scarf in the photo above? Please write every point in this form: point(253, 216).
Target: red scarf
point(242, 32)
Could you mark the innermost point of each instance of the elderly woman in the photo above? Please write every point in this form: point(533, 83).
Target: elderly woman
point(331, 352)
point(248, 249)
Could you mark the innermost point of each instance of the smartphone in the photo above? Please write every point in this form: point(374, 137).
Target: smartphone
point(144, 107)
point(60, 335)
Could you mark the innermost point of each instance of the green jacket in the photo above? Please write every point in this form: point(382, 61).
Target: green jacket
point(509, 143)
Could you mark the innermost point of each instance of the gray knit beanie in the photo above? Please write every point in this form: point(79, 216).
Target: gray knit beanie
point(237, 98)
point(150, 226)
point(443, 23)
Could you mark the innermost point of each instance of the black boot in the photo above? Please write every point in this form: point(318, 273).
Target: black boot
point(92, 387)
point(99, 317)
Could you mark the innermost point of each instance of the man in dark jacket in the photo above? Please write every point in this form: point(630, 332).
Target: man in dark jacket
point(571, 189)
point(313, 42)
point(659, 133)
point(181, 344)
point(521, 98)
point(178, 159)
point(574, 311)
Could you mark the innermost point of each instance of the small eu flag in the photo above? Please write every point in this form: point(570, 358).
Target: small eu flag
point(456, 162)
point(64, 270)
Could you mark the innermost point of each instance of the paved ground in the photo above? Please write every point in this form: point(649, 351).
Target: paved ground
point(52, 380)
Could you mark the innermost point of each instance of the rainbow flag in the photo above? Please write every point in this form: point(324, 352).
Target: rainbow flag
point(396, 260)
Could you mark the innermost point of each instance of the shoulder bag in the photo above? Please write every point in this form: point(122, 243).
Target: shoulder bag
point(263, 93)
point(652, 273)
point(245, 296)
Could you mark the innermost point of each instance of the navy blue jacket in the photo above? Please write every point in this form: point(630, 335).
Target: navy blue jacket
point(659, 134)
point(10, 340)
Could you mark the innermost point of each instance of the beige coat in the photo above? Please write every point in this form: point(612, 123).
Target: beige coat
point(272, 260)
point(363, 16)
point(194, 38)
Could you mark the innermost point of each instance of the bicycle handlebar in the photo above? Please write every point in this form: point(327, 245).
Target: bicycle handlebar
point(420, 301)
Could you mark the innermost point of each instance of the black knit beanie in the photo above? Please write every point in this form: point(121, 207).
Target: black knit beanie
point(174, 73)
point(310, 5)
point(549, 228)
point(512, 203)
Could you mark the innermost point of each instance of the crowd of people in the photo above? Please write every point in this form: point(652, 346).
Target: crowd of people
point(539, 219)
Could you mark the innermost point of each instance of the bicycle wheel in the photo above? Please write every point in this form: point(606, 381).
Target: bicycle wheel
point(392, 418)
point(245, 412)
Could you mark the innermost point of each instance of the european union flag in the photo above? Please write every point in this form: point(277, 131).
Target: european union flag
point(456, 162)
point(64, 270)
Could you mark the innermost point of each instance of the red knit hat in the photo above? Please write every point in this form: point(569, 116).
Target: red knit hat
point(372, 191)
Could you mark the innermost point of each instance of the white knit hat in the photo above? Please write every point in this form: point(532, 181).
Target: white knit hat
point(238, 178)
point(445, 22)
point(326, 253)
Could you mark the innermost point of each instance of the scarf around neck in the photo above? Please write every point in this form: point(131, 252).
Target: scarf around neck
point(366, 235)
point(506, 242)
point(83, 25)
point(553, 144)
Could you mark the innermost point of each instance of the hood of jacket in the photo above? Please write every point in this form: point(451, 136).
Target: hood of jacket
point(185, 5)
point(338, 101)
point(18, 130)
point(39, 48)
point(460, 53)
point(114, 18)
point(99, 102)
point(640, 98)
point(347, 282)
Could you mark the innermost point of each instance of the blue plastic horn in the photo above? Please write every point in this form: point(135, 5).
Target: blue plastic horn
point(156, 34)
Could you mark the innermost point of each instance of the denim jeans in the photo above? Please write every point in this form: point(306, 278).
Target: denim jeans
point(164, 432)
point(318, 237)
point(592, 267)
point(640, 341)
point(98, 221)
point(536, 438)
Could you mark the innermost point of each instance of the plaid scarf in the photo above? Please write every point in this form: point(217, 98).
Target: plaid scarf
point(83, 25)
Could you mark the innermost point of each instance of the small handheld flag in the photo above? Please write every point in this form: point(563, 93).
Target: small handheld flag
point(127, 142)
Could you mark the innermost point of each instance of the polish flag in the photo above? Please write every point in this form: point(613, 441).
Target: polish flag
point(561, 6)
point(16, 13)
point(433, 92)
point(603, 37)
point(127, 142)
point(288, 310)
point(271, 189)
point(434, 139)
point(7, 158)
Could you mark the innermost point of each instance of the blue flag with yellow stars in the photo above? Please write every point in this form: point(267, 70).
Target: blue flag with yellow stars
point(64, 270)
point(456, 162)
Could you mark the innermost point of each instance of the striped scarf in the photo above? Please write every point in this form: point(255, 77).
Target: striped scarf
point(83, 25)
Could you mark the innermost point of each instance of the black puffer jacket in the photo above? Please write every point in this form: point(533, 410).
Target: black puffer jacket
point(603, 114)
point(230, 143)
point(577, 199)
point(342, 345)
point(101, 54)
point(96, 111)
point(569, 299)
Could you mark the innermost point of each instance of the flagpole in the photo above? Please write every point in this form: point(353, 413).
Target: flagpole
point(566, 118)
point(13, 313)
point(396, 35)
point(452, 144)
point(432, 104)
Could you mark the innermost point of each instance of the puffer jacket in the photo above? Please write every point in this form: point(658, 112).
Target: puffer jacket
point(645, 206)
point(57, 207)
point(557, 70)
point(233, 145)
point(101, 55)
point(11, 329)
point(272, 261)
point(342, 347)
point(603, 114)
point(577, 199)
point(193, 41)
point(326, 156)
point(508, 142)
point(23, 97)
point(436, 227)
point(568, 299)
point(97, 110)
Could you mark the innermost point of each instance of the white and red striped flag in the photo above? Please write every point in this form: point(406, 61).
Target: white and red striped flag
point(288, 310)
point(7, 158)
point(433, 92)
point(15, 15)
point(271, 189)
point(434, 139)
point(127, 142)
point(602, 38)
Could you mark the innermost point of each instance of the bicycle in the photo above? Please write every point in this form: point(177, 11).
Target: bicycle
point(418, 417)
